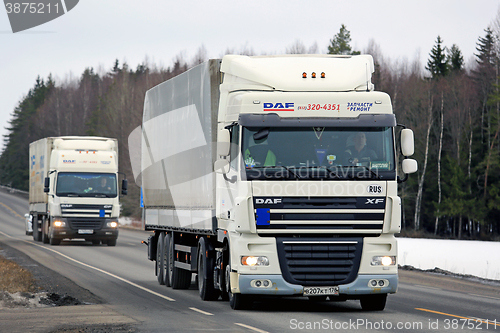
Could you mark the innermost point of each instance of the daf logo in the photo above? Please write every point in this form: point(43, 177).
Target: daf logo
point(268, 201)
point(373, 201)
point(66, 206)
point(107, 206)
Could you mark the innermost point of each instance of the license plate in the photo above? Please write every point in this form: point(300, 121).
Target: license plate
point(85, 231)
point(319, 291)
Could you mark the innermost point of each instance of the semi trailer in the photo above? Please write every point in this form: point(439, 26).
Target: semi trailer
point(275, 176)
point(74, 190)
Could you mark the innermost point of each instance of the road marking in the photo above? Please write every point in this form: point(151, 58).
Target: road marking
point(484, 321)
point(13, 211)
point(97, 269)
point(419, 285)
point(485, 296)
point(202, 312)
point(251, 328)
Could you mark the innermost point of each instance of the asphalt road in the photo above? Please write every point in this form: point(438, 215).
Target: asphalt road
point(123, 278)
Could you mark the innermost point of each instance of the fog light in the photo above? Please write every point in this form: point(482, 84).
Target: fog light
point(383, 261)
point(258, 283)
point(254, 261)
point(374, 283)
point(266, 283)
point(381, 283)
point(59, 224)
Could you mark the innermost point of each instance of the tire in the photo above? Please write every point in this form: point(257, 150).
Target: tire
point(206, 264)
point(373, 302)
point(168, 263)
point(111, 242)
point(37, 236)
point(45, 231)
point(179, 278)
point(55, 241)
point(236, 301)
point(159, 259)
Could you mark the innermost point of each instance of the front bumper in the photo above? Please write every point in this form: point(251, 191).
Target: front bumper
point(279, 287)
point(71, 230)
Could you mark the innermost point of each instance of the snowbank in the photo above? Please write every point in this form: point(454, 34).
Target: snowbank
point(463, 257)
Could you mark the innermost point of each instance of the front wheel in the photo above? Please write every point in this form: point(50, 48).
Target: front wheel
point(45, 231)
point(237, 301)
point(159, 259)
point(373, 302)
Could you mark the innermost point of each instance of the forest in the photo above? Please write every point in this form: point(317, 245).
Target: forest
point(452, 107)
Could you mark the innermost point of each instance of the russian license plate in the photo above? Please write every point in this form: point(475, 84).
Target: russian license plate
point(85, 231)
point(319, 291)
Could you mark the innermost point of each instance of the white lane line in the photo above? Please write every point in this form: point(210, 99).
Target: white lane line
point(485, 296)
point(97, 269)
point(202, 312)
point(426, 287)
point(251, 328)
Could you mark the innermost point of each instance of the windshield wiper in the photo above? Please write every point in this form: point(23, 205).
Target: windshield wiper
point(68, 194)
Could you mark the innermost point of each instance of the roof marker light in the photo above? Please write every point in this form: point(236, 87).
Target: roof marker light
point(313, 75)
point(304, 75)
point(322, 75)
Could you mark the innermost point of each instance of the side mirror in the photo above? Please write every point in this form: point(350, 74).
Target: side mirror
point(409, 165)
point(221, 166)
point(407, 142)
point(124, 186)
point(46, 185)
point(223, 142)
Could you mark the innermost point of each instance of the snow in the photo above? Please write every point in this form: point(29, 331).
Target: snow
point(458, 256)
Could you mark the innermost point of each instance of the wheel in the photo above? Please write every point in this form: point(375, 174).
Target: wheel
point(159, 259)
point(167, 263)
point(45, 230)
point(55, 241)
point(37, 235)
point(111, 242)
point(373, 302)
point(236, 301)
point(179, 278)
point(205, 273)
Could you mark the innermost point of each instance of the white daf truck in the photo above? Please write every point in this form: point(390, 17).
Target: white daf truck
point(275, 176)
point(74, 190)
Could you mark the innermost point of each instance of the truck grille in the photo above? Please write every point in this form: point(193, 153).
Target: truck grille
point(82, 210)
point(334, 215)
point(314, 262)
point(79, 223)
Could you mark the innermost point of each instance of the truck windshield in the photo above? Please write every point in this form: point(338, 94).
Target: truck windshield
point(81, 184)
point(318, 152)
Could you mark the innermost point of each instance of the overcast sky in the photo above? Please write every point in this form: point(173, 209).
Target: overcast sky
point(96, 32)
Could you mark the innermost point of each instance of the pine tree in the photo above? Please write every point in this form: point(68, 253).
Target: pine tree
point(438, 62)
point(455, 58)
point(340, 44)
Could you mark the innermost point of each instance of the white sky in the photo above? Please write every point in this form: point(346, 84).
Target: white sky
point(96, 32)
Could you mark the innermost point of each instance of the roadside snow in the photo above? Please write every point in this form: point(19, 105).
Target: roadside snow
point(458, 256)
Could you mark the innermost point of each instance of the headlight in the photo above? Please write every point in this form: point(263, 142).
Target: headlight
point(254, 261)
point(59, 224)
point(383, 261)
point(112, 224)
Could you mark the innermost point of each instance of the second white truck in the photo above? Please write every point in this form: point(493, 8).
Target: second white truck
point(74, 190)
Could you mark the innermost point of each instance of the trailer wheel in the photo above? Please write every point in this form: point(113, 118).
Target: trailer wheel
point(159, 259)
point(45, 231)
point(179, 278)
point(37, 235)
point(167, 262)
point(206, 263)
point(236, 301)
point(373, 302)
